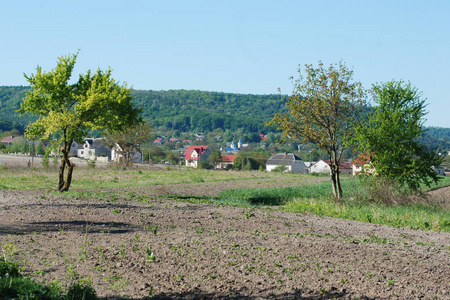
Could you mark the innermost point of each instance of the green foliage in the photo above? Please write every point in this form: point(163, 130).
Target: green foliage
point(205, 165)
point(215, 157)
point(78, 291)
point(9, 268)
point(198, 111)
point(389, 135)
point(248, 161)
point(14, 286)
point(280, 168)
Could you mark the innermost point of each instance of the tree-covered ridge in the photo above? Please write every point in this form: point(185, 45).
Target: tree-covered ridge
point(191, 110)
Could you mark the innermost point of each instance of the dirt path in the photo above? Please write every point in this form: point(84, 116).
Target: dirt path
point(208, 251)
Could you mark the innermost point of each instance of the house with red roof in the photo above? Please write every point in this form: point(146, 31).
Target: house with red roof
point(9, 140)
point(362, 164)
point(226, 162)
point(196, 154)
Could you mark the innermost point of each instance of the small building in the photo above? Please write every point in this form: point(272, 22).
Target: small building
point(174, 140)
point(439, 170)
point(226, 162)
point(323, 166)
point(9, 140)
point(362, 164)
point(196, 154)
point(292, 162)
point(94, 148)
point(116, 155)
point(158, 141)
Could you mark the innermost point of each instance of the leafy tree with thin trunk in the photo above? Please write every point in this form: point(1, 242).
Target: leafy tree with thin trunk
point(67, 111)
point(390, 134)
point(322, 108)
point(128, 141)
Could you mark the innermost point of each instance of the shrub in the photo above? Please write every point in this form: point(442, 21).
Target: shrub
point(81, 291)
point(280, 168)
point(205, 165)
point(10, 268)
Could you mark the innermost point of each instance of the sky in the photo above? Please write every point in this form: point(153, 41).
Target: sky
point(245, 46)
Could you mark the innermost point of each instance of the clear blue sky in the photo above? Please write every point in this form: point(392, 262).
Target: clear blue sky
point(234, 46)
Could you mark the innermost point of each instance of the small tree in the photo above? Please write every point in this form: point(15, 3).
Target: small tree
point(68, 111)
point(321, 110)
point(215, 157)
point(127, 142)
point(390, 134)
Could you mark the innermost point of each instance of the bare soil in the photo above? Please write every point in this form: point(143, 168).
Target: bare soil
point(137, 245)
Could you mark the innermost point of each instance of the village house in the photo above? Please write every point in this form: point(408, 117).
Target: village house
point(196, 154)
point(362, 164)
point(94, 149)
point(226, 162)
point(323, 166)
point(9, 140)
point(292, 162)
point(116, 155)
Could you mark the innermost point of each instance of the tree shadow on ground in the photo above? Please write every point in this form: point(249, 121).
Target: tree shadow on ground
point(80, 226)
point(269, 293)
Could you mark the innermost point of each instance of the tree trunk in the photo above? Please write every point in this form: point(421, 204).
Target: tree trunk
point(64, 183)
point(61, 175)
point(68, 180)
point(335, 181)
point(338, 183)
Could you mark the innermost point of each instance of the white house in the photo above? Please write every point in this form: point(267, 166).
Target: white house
point(291, 161)
point(116, 155)
point(94, 148)
point(323, 166)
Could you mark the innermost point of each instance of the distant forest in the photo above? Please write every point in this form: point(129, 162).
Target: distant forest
point(195, 111)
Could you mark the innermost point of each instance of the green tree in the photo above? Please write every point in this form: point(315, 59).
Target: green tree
point(322, 108)
point(215, 157)
point(390, 135)
point(68, 111)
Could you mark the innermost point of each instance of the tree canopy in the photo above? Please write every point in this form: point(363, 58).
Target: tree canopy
point(66, 112)
point(390, 134)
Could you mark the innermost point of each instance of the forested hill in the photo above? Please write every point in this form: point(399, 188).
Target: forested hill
point(189, 110)
point(183, 110)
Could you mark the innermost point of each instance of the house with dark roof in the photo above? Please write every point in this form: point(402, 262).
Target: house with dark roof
point(292, 162)
point(196, 154)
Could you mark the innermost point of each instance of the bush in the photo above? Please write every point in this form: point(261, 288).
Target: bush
point(81, 291)
point(280, 169)
point(14, 286)
point(10, 268)
point(205, 165)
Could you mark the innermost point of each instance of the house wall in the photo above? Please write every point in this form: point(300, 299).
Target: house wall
point(297, 168)
point(320, 167)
